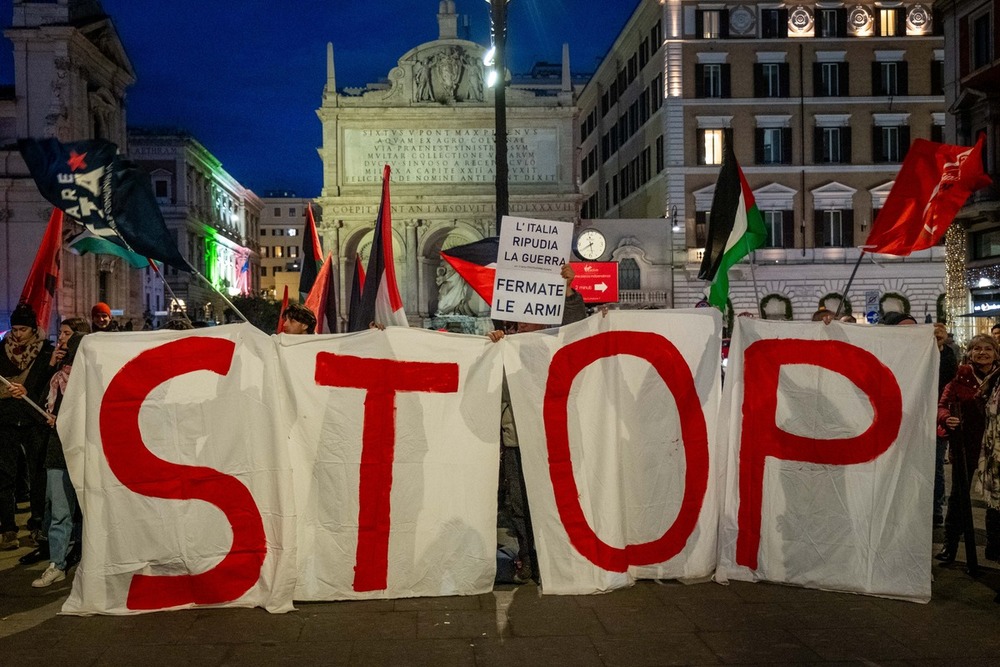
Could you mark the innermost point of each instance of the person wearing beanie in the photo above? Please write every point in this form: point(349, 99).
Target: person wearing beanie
point(24, 363)
point(100, 318)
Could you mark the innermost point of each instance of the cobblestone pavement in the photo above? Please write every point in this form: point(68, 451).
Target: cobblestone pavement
point(651, 623)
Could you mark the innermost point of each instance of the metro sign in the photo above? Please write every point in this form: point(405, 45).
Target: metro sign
point(597, 282)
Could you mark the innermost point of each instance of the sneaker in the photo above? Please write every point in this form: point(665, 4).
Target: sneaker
point(49, 577)
point(8, 542)
point(523, 572)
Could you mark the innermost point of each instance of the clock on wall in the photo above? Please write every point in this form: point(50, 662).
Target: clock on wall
point(590, 244)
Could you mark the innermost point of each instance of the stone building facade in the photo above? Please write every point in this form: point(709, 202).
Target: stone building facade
point(432, 121)
point(972, 94)
point(820, 102)
point(70, 77)
point(282, 225)
point(213, 218)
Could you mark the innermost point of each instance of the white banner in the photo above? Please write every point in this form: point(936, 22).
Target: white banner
point(389, 512)
point(830, 465)
point(619, 458)
point(528, 286)
point(171, 442)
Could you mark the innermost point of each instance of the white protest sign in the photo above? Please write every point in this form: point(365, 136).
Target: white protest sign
point(528, 286)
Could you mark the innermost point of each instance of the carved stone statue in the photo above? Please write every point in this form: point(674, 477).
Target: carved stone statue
point(421, 82)
point(455, 297)
point(474, 77)
point(448, 66)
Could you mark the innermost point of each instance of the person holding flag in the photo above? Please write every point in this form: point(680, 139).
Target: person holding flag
point(25, 367)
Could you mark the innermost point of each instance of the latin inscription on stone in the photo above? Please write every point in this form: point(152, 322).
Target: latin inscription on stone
point(448, 155)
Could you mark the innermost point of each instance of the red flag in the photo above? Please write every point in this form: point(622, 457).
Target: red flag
point(476, 262)
point(322, 299)
point(380, 299)
point(312, 255)
point(932, 185)
point(40, 287)
point(281, 315)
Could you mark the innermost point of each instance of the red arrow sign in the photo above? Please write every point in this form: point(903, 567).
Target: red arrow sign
point(597, 282)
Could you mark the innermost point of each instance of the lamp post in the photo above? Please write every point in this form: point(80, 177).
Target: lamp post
point(497, 78)
point(674, 228)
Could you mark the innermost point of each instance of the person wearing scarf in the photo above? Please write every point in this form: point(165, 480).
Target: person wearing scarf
point(962, 413)
point(24, 362)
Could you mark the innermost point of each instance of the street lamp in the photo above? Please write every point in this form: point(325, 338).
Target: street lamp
point(497, 78)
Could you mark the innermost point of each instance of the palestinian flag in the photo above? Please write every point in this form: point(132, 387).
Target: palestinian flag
point(354, 305)
point(735, 228)
point(312, 255)
point(476, 262)
point(85, 241)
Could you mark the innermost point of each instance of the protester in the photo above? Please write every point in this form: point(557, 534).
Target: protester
point(961, 413)
point(299, 320)
point(513, 499)
point(946, 373)
point(100, 318)
point(995, 332)
point(896, 318)
point(60, 495)
point(988, 477)
point(848, 319)
point(23, 364)
point(824, 315)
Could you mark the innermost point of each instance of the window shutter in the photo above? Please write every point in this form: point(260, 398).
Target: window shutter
point(841, 22)
point(700, 146)
point(847, 219)
point(758, 80)
point(878, 86)
point(904, 79)
point(758, 150)
point(724, 24)
point(783, 23)
point(726, 91)
point(727, 137)
point(783, 76)
point(818, 151)
point(878, 22)
point(699, 23)
point(845, 79)
point(900, 22)
point(818, 224)
point(845, 145)
point(904, 142)
point(788, 228)
point(817, 80)
point(786, 145)
point(699, 80)
point(878, 155)
point(937, 77)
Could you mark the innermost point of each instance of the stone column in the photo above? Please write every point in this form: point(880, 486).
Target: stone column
point(412, 295)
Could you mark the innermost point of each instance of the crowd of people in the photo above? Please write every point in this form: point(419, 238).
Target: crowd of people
point(33, 468)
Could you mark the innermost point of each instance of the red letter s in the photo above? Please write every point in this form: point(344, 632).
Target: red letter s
point(142, 472)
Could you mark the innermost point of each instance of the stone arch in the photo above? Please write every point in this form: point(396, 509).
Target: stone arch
point(435, 273)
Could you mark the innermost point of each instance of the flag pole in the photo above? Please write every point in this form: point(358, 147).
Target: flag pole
point(753, 276)
point(847, 288)
point(163, 279)
point(25, 398)
point(219, 292)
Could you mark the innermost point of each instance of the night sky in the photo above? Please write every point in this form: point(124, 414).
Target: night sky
point(245, 77)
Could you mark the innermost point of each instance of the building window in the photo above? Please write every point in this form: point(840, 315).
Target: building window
point(774, 145)
point(830, 79)
point(263, 272)
point(890, 143)
point(774, 223)
point(937, 134)
point(277, 212)
point(710, 144)
point(293, 251)
point(833, 229)
point(161, 188)
point(986, 244)
point(831, 22)
point(889, 79)
point(291, 212)
point(982, 41)
point(628, 274)
point(712, 23)
point(276, 270)
point(774, 23)
point(263, 251)
point(937, 77)
point(771, 80)
point(833, 145)
point(279, 251)
point(712, 80)
point(659, 154)
point(293, 232)
point(890, 22)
